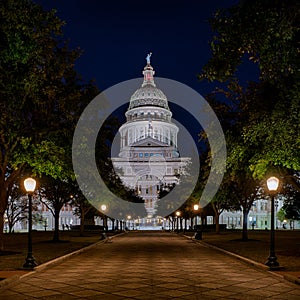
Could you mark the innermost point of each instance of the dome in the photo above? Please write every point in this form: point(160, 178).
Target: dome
point(148, 95)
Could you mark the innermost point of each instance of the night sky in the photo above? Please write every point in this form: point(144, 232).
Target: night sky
point(117, 35)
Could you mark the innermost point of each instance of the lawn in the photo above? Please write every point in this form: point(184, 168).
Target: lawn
point(15, 246)
point(287, 246)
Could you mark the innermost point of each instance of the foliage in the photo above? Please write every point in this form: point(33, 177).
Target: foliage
point(291, 206)
point(41, 95)
point(281, 215)
point(81, 204)
point(17, 207)
point(265, 33)
point(55, 193)
point(106, 168)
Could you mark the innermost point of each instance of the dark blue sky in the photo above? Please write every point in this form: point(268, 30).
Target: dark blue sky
point(117, 35)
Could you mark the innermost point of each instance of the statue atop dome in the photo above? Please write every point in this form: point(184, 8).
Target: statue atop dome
point(148, 58)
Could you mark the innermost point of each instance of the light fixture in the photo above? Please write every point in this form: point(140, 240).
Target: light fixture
point(272, 262)
point(29, 184)
point(272, 184)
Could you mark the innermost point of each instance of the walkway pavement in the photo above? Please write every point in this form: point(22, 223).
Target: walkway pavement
point(151, 265)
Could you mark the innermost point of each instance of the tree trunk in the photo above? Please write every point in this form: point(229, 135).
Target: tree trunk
point(56, 226)
point(10, 227)
point(217, 215)
point(245, 225)
point(81, 230)
point(3, 206)
point(1, 231)
point(106, 226)
point(113, 225)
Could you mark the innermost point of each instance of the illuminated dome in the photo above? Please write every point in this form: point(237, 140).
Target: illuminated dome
point(148, 94)
point(148, 116)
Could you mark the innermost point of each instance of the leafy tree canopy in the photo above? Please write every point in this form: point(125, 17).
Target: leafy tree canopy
point(41, 95)
point(267, 112)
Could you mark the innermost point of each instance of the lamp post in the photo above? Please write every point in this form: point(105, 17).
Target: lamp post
point(29, 185)
point(129, 218)
point(196, 207)
point(198, 233)
point(103, 209)
point(276, 208)
point(177, 223)
point(272, 262)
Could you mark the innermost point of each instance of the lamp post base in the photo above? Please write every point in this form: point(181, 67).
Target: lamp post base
point(30, 262)
point(272, 263)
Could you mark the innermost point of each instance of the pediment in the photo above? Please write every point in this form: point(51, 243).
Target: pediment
point(149, 142)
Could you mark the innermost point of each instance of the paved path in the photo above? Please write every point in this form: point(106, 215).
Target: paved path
point(151, 265)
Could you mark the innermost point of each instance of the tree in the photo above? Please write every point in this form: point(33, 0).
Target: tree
point(225, 199)
point(17, 208)
point(291, 206)
point(263, 116)
point(41, 96)
point(55, 193)
point(82, 208)
point(281, 215)
point(265, 33)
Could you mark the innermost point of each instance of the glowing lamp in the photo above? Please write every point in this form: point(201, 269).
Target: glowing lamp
point(29, 185)
point(272, 184)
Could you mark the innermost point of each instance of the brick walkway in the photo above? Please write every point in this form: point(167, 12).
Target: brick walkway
point(151, 265)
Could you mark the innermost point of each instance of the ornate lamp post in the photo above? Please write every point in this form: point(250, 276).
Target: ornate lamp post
point(198, 233)
point(129, 221)
point(103, 209)
point(29, 185)
point(272, 262)
point(196, 207)
point(177, 223)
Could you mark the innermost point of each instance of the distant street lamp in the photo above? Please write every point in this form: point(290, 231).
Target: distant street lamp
point(198, 233)
point(129, 218)
point(177, 223)
point(103, 209)
point(29, 185)
point(196, 207)
point(272, 262)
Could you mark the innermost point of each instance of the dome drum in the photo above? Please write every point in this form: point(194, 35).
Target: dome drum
point(147, 113)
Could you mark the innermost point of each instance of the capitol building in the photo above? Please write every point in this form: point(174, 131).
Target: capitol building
point(149, 159)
